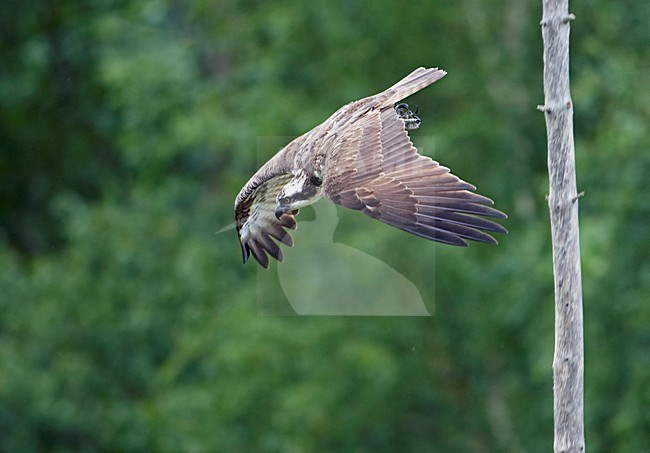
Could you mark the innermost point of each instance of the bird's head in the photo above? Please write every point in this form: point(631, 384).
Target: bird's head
point(303, 190)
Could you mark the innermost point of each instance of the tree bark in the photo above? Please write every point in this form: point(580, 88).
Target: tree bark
point(568, 361)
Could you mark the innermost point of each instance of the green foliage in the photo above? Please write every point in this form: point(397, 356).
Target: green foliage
point(126, 130)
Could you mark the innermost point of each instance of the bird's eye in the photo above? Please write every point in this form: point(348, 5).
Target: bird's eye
point(286, 200)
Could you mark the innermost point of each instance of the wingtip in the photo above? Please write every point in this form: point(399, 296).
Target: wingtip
point(499, 215)
point(245, 253)
point(491, 241)
point(501, 230)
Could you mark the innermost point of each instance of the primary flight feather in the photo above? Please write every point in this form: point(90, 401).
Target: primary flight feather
point(361, 157)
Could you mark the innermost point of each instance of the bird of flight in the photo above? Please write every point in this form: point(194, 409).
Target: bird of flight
point(361, 157)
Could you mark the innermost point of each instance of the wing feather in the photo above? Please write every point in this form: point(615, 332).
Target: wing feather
point(258, 252)
point(257, 226)
point(408, 191)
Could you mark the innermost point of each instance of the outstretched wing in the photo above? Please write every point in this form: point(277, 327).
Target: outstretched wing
point(378, 171)
point(256, 221)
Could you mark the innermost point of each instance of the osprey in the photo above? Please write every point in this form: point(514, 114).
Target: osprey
point(361, 157)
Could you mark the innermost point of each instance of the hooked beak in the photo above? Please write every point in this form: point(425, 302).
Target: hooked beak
point(279, 211)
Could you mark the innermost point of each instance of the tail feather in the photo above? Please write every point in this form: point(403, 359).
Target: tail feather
point(412, 83)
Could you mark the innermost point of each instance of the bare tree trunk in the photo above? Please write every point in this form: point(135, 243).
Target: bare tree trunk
point(568, 362)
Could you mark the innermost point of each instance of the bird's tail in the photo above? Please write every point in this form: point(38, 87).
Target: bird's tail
point(412, 83)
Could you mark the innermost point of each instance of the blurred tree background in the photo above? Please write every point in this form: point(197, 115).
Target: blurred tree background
point(128, 127)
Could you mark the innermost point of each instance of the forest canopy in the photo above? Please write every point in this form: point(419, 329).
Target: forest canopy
point(126, 131)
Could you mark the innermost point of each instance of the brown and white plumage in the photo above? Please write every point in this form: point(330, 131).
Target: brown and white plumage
point(362, 158)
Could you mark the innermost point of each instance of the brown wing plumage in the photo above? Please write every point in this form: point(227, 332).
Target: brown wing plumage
point(379, 172)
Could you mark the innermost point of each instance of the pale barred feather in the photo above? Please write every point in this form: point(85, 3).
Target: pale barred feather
point(257, 224)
